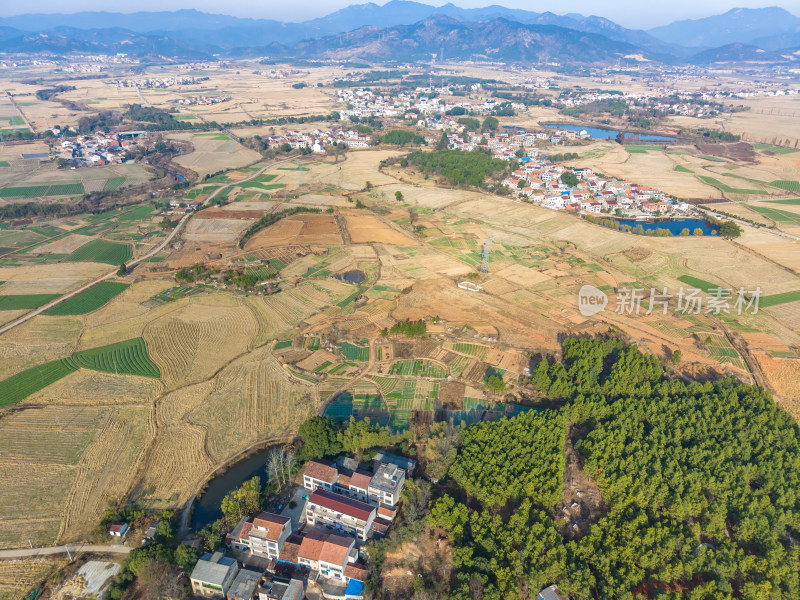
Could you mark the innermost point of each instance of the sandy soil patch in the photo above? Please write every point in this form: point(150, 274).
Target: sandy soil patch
point(366, 228)
point(215, 230)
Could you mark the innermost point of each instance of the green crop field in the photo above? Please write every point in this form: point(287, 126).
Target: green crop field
point(25, 301)
point(779, 216)
point(4, 163)
point(475, 350)
point(138, 213)
point(643, 149)
point(776, 299)
point(23, 384)
point(787, 201)
point(701, 284)
point(129, 358)
point(789, 185)
point(682, 169)
point(101, 251)
point(89, 300)
point(458, 366)
point(14, 121)
point(418, 368)
point(771, 148)
point(35, 191)
point(726, 188)
point(353, 352)
point(283, 344)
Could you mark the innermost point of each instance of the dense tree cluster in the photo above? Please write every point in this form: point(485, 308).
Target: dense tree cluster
point(409, 328)
point(700, 482)
point(401, 137)
point(459, 168)
point(512, 459)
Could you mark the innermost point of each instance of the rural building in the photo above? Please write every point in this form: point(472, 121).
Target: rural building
point(551, 593)
point(319, 474)
point(274, 589)
point(343, 513)
point(213, 575)
point(245, 585)
point(262, 535)
point(118, 529)
point(386, 485)
point(381, 488)
point(327, 553)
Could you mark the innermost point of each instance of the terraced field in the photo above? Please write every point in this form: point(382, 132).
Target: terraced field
point(89, 300)
point(353, 352)
point(125, 358)
point(418, 368)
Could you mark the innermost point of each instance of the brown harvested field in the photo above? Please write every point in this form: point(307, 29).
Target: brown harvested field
point(783, 375)
point(320, 200)
point(299, 229)
point(254, 397)
point(18, 577)
point(37, 341)
point(49, 279)
point(353, 174)
point(235, 211)
point(63, 246)
point(216, 229)
point(200, 337)
point(317, 358)
point(90, 388)
point(211, 154)
point(106, 469)
point(367, 229)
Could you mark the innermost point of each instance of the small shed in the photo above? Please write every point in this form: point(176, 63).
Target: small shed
point(118, 529)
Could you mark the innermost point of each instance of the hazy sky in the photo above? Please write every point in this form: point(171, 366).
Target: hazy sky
point(630, 13)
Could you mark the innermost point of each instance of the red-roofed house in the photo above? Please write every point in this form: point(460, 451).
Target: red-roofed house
point(346, 514)
point(262, 535)
point(326, 553)
point(318, 474)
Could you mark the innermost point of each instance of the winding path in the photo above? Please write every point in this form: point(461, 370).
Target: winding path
point(37, 311)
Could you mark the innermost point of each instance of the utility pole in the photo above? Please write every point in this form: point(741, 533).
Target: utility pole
point(68, 552)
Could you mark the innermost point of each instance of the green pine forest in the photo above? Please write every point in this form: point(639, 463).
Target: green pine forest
point(699, 486)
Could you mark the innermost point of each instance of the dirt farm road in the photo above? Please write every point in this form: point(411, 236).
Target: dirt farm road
point(37, 311)
point(50, 550)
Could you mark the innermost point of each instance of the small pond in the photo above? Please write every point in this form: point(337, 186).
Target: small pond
point(351, 276)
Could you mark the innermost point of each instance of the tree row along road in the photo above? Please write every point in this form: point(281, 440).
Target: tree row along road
point(37, 311)
point(50, 550)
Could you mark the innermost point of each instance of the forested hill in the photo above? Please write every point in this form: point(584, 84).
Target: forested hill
point(700, 488)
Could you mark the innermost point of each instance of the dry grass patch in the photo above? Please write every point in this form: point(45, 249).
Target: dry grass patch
point(367, 228)
point(37, 341)
point(106, 469)
point(254, 397)
point(193, 342)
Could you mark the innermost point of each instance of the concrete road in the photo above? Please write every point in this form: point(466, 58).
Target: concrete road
point(73, 549)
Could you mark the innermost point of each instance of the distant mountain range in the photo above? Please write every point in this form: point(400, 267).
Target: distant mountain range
point(403, 29)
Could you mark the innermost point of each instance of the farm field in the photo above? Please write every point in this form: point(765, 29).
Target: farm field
point(213, 153)
point(101, 251)
point(146, 378)
point(89, 300)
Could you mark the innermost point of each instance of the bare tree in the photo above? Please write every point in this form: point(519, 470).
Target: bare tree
point(290, 462)
point(159, 580)
point(276, 465)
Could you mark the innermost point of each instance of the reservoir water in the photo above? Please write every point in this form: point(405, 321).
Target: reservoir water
point(599, 133)
point(207, 510)
point(675, 226)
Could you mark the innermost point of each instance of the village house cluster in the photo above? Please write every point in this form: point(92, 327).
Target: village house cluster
point(277, 556)
point(363, 103)
point(96, 149)
point(318, 140)
point(159, 82)
point(203, 100)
